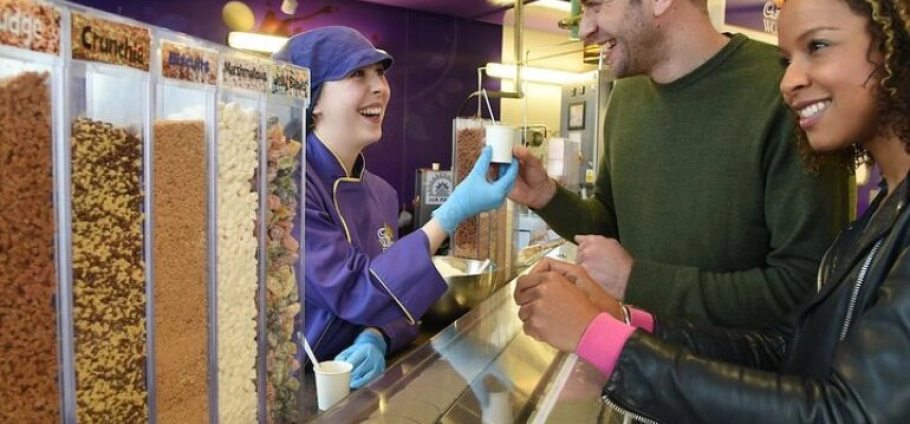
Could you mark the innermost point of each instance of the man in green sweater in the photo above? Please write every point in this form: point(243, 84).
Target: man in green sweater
point(702, 206)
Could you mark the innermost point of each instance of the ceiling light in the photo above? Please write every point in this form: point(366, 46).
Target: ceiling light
point(255, 42)
point(541, 75)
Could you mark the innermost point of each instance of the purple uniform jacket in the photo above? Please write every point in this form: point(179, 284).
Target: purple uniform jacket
point(357, 275)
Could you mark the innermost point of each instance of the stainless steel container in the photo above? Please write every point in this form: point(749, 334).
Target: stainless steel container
point(465, 291)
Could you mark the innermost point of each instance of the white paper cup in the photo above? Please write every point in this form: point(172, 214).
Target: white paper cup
point(333, 383)
point(502, 138)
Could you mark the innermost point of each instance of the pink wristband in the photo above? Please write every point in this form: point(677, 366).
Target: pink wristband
point(642, 319)
point(603, 341)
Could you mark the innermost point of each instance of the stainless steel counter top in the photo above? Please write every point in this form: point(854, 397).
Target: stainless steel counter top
point(482, 368)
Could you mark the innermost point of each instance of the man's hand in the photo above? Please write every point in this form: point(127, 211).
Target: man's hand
point(606, 261)
point(553, 309)
point(534, 188)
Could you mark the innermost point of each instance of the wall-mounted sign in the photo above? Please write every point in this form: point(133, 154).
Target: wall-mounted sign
point(437, 187)
point(758, 15)
point(577, 116)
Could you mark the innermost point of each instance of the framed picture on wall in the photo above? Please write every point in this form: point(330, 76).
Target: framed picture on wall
point(577, 116)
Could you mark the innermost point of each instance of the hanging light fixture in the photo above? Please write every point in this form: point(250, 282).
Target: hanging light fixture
point(252, 41)
point(539, 75)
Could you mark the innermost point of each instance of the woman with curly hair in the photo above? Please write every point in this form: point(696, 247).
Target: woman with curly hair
point(843, 356)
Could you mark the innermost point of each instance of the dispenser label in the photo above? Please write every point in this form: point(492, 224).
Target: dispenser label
point(188, 63)
point(101, 40)
point(30, 25)
point(293, 82)
point(245, 74)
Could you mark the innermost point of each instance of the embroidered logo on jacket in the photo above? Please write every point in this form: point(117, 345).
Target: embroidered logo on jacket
point(385, 235)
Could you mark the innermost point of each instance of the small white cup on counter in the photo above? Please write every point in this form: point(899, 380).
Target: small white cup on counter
point(499, 409)
point(502, 138)
point(333, 382)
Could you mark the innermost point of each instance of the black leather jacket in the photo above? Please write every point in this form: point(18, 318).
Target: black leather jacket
point(845, 357)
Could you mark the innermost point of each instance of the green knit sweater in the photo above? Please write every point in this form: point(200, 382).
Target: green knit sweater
point(701, 182)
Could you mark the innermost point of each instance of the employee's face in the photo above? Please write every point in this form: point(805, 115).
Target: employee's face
point(625, 31)
point(354, 106)
point(830, 80)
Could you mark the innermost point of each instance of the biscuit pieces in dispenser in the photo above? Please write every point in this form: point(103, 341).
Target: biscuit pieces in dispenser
point(179, 242)
point(182, 135)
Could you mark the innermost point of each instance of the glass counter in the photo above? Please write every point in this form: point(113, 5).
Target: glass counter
point(482, 368)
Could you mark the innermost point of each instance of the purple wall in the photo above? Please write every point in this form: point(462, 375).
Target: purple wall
point(436, 61)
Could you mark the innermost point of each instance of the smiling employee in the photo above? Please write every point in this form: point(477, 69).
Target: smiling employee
point(363, 286)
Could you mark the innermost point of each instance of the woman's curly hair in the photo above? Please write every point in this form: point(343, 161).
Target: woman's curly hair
point(889, 26)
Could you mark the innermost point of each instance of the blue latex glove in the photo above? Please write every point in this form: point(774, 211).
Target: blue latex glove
point(367, 355)
point(475, 194)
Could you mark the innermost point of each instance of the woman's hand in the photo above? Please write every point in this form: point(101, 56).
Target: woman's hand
point(475, 194)
point(367, 355)
point(555, 304)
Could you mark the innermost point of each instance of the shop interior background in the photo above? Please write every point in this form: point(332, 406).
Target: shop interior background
point(438, 47)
